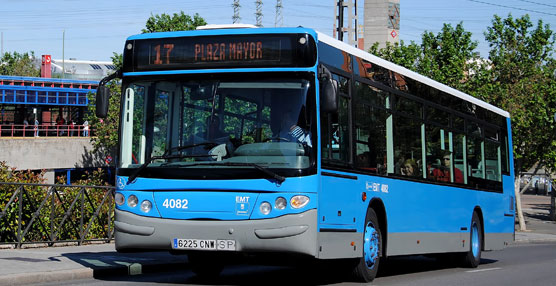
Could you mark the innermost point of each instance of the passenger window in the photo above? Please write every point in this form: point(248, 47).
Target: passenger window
point(335, 127)
point(407, 145)
point(492, 161)
point(475, 162)
point(370, 131)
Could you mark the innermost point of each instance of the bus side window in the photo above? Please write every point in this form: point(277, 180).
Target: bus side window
point(335, 127)
point(370, 128)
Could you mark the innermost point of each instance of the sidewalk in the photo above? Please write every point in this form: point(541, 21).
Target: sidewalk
point(536, 211)
point(40, 265)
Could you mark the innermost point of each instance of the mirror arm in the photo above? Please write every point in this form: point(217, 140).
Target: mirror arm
point(324, 73)
point(105, 80)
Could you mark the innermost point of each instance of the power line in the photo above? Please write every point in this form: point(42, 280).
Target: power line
point(537, 3)
point(510, 7)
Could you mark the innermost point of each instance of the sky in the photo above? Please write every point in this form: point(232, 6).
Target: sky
point(93, 30)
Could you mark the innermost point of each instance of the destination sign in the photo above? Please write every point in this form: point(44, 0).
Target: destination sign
point(219, 51)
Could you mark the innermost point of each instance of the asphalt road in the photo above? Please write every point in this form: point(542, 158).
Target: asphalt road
point(525, 264)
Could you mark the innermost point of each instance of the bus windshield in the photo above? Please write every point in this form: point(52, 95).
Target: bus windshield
point(236, 124)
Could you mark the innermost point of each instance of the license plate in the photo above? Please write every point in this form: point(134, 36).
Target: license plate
point(204, 244)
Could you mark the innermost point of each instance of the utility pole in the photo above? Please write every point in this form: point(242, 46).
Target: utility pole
point(351, 29)
point(236, 18)
point(279, 19)
point(353, 20)
point(63, 54)
point(340, 17)
point(259, 13)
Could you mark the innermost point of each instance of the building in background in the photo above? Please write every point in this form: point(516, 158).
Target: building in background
point(73, 69)
point(43, 99)
point(81, 70)
point(381, 22)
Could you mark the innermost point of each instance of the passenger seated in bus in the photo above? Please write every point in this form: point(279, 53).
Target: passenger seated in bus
point(363, 160)
point(410, 168)
point(214, 132)
point(442, 173)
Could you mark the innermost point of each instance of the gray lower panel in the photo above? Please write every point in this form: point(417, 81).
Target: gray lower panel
point(403, 243)
point(497, 241)
point(339, 245)
point(421, 243)
point(283, 236)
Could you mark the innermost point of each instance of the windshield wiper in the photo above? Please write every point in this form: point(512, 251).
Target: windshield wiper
point(167, 156)
point(264, 170)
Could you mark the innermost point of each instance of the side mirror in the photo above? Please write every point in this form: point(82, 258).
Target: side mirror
point(103, 93)
point(328, 91)
point(329, 96)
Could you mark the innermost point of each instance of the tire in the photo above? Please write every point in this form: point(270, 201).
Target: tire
point(205, 264)
point(472, 258)
point(366, 267)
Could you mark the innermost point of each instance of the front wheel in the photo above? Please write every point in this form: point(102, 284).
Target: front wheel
point(472, 258)
point(367, 266)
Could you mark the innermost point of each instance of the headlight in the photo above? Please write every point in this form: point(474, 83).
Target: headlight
point(132, 201)
point(299, 201)
point(280, 203)
point(265, 208)
point(119, 198)
point(146, 206)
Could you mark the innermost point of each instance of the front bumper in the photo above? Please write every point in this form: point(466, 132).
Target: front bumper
point(294, 233)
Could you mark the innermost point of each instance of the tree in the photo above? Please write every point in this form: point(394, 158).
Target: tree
point(522, 82)
point(445, 57)
point(176, 22)
point(106, 130)
point(17, 64)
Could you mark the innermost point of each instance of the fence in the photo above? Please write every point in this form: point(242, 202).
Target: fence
point(43, 130)
point(49, 214)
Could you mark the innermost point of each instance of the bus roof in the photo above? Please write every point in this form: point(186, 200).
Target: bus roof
point(406, 72)
point(226, 31)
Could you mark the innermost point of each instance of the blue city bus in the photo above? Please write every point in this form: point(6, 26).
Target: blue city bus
point(246, 141)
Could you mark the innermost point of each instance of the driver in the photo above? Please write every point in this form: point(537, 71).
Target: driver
point(290, 131)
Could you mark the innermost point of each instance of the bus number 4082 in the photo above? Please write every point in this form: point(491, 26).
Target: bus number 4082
point(175, 204)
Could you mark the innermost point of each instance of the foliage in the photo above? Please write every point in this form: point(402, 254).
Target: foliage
point(446, 57)
point(105, 137)
point(522, 81)
point(517, 77)
point(176, 22)
point(8, 223)
point(50, 216)
point(17, 64)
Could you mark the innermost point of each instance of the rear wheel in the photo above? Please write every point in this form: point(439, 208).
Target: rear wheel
point(367, 266)
point(472, 258)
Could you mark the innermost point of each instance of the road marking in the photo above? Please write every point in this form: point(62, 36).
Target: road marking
point(483, 270)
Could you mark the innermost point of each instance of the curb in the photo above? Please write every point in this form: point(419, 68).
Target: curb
point(533, 237)
point(87, 273)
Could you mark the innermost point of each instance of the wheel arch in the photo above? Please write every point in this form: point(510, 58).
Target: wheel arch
point(378, 206)
point(479, 213)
